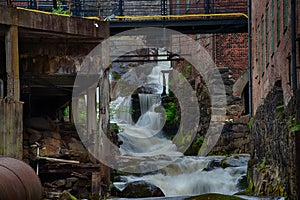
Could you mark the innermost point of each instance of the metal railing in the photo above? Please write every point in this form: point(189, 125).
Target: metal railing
point(110, 8)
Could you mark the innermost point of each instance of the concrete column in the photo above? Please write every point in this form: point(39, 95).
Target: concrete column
point(91, 111)
point(74, 110)
point(96, 185)
point(104, 94)
point(92, 123)
point(12, 63)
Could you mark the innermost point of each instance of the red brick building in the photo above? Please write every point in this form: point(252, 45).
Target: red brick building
point(227, 50)
point(275, 80)
point(272, 47)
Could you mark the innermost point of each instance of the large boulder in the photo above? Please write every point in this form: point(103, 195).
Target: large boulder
point(139, 189)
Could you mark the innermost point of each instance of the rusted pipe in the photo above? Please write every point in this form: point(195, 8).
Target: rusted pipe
point(18, 181)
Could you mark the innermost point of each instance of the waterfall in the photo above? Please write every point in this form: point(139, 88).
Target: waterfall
point(155, 78)
point(144, 138)
point(185, 176)
point(148, 100)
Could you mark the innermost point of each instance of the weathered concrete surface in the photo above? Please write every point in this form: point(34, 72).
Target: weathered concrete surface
point(11, 128)
point(79, 27)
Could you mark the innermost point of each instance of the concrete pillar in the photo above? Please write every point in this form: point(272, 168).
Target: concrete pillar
point(92, 122)
point(74, 110)
point(91, 110)
point(96, 185)
point(12, 62)
point(104, 98)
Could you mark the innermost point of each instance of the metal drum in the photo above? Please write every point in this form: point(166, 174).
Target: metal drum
point(18, 181)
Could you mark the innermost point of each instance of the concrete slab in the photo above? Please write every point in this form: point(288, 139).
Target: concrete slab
point(37, 23)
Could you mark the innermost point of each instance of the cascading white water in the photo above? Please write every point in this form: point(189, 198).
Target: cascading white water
point(156, 76)
point(148, 100)
point(186, 176)
point(144, 138)
point(191, 176)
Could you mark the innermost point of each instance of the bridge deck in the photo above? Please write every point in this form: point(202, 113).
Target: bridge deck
point(225, 24)
point(187, 16)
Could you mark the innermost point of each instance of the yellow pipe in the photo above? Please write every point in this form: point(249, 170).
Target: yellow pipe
point(181, 16)
point(94, 18)
point(148, 17)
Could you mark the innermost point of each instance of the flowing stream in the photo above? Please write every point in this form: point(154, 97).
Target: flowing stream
point(188, 175)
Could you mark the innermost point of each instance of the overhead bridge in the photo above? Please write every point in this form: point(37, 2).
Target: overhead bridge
point(186, 16)
point(188, 24)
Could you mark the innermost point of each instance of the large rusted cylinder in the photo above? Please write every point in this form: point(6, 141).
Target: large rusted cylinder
point(18, 181)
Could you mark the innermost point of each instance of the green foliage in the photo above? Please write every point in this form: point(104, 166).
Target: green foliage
point(220, 152)
point(280, 109)
point(262, 164)
point(114, 126)
point(250, 123)
point(67, 196)
point(200, 140)
point(293, 126)
point(66, 111)
point(182, 76)
point(188, 69)
point(60, 9)
point(171, 115)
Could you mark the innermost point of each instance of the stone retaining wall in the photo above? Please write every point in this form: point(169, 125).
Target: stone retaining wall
point(272, 166)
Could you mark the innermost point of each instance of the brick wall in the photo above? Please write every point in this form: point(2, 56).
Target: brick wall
point(232, 51)
point(274, 105)
point(271, 48)
point(227, 50)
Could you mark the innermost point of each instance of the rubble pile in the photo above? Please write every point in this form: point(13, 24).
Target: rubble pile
point(63, 162)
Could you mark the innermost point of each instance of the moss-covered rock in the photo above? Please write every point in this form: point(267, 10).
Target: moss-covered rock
point(213, 196)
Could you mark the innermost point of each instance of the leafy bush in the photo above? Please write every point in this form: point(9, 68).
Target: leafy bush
point(171, 115)
point(60, 9)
